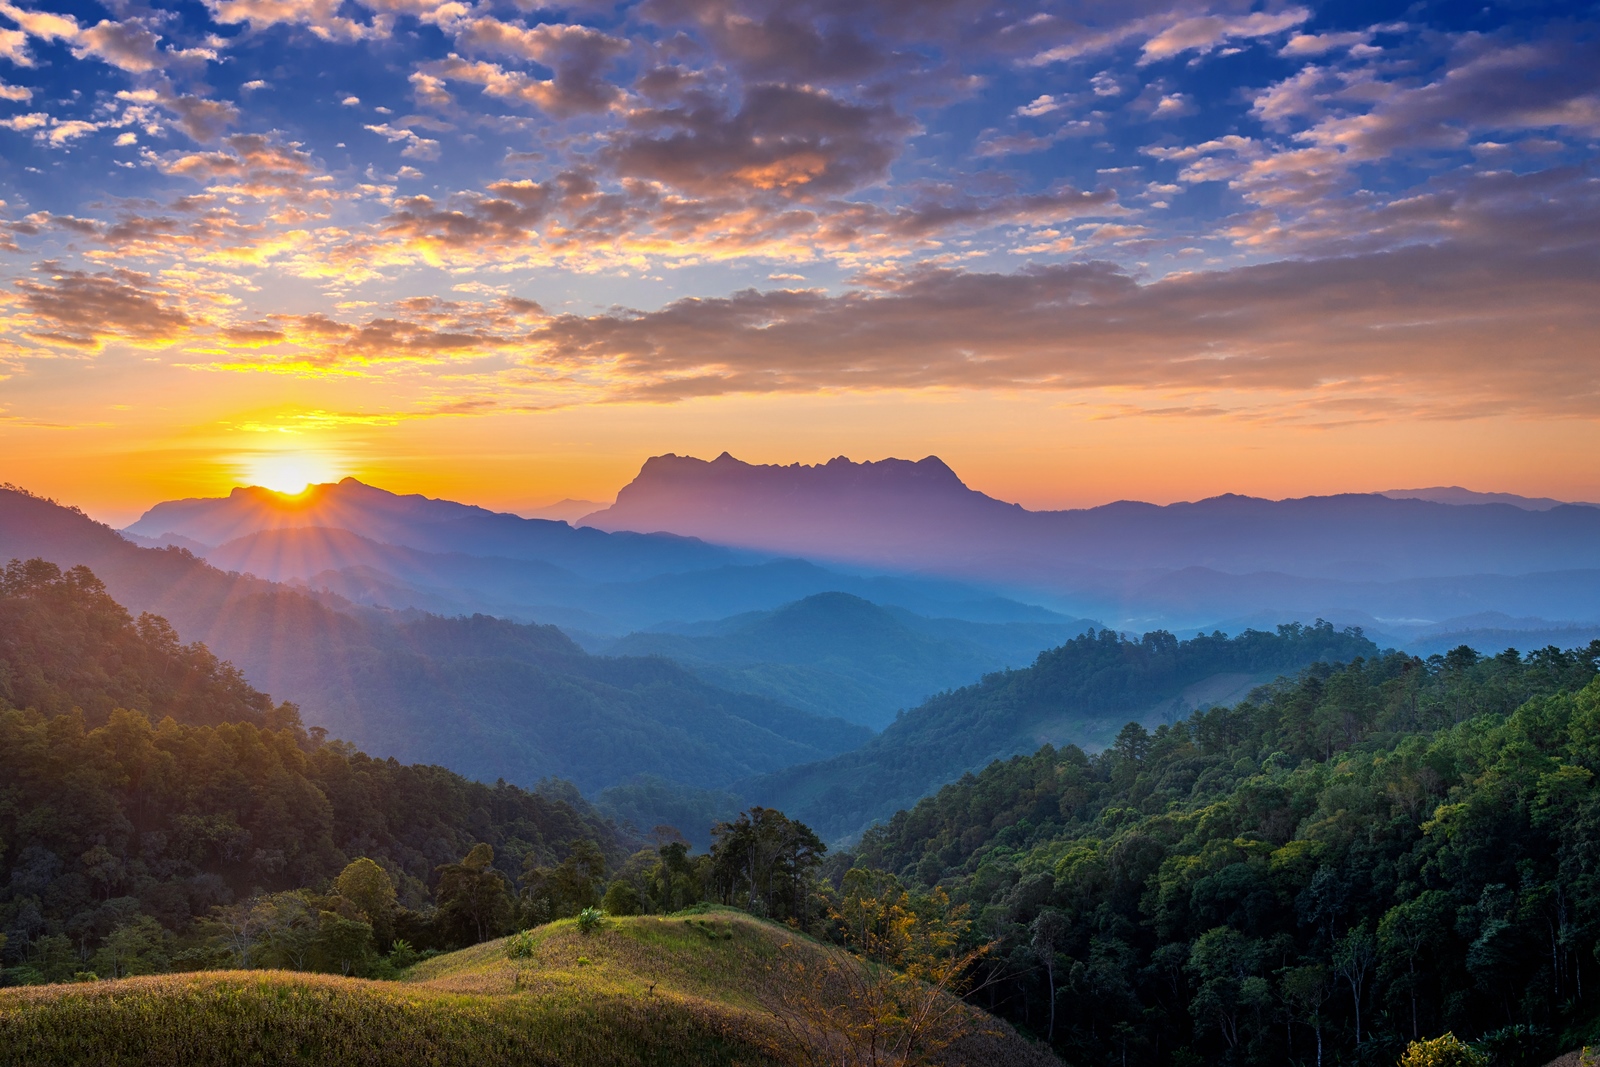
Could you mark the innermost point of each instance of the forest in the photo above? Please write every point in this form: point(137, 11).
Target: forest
point(1353, 858)
point(1089, 685)
point(1359, 856)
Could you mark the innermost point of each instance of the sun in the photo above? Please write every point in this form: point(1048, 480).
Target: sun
point(290, 473)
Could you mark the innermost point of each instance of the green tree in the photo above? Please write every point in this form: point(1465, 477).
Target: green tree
point(369, 888)
point(1225, 964)
point(474, 899)
point(134, 947)
point(763, 861)
point(622, 899)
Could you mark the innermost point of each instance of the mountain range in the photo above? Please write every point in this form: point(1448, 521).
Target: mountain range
point(1392, 556)
point(487, 697)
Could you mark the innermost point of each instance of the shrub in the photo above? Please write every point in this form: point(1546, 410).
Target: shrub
point(589, 920)
point(521, 946)
point(622, 899)
point(1446, 1051)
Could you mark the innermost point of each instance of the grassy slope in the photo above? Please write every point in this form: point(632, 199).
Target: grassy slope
point(663, 991)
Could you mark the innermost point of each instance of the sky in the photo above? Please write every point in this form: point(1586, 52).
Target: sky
point(1086, 251)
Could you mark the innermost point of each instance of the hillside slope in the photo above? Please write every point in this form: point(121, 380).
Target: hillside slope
point(687, 990)
point(487, 698)
point(1080, 693)
point(833, 653)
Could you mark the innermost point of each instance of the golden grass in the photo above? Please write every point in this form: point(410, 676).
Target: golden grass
point(649, 991)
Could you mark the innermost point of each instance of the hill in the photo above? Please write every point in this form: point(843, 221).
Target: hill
point(488, 698)
point(833, 653)
point(687, 990)
point(368, 572)
point(1353, 858)
point(1081, 692)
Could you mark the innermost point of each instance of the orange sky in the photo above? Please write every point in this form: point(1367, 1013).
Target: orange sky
point(502, 254)
point(124, 441)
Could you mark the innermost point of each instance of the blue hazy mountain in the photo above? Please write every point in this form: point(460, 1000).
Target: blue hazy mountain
point(834, 653)
point(487, 697)
point(1140, 564)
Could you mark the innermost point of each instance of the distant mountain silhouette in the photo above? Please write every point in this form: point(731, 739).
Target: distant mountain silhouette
point(1454, 494)
point(1140, 562)
point(841, 655)
point(483, 696)
point(431, 525)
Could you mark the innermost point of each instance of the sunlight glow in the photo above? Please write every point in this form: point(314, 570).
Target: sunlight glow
point(290, 473)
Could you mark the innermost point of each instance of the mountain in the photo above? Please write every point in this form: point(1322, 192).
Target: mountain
point(419, 522)
point(1454, 494)
point(1081, 693)
point(486, 697)
point(834, 653)
point(471, 560)
point(1140, 564)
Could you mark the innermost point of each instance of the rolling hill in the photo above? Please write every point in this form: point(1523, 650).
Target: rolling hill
point(684, 990)
point(485, 697)
point(834, 653)
point(1081, 693)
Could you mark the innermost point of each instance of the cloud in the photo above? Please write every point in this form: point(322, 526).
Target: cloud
point(321, 17)
point(794, 140)
point(17, 94)
point(1458, 334)
point(578, 56)
point(1205, 33)
point(416, 146)
point(86, 311)
point(251, 165)
point(129, 45)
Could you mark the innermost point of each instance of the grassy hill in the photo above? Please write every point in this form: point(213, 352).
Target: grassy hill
point(689, 989)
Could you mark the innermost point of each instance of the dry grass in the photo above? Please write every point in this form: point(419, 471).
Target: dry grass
point(649, 991)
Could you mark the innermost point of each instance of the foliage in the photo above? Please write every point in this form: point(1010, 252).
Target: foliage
point(763, 862)
point(590, 920)
point(1355, 858)
point(474, 898)
point(898, 1006)
point(622, 899)
point(211, 813)
point(1074, 688)
point(1447, 1050)
point(65, 645)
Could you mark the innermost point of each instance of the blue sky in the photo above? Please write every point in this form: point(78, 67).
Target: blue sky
point(1303, 212)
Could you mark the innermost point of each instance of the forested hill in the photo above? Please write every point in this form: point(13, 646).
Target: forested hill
point(1080, 692)
point(1357, 857)
point(66, 644)
point(487, 698)
point(205, 792)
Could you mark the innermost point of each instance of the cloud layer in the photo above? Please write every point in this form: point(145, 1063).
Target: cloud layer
point(1201, 207)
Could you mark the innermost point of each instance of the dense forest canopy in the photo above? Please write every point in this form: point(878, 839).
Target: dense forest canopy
point(65, 644)
point(143, 782)
point(1350, 859)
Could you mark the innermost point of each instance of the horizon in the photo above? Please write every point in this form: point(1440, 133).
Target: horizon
point(1084, 254)
point(123, 520)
